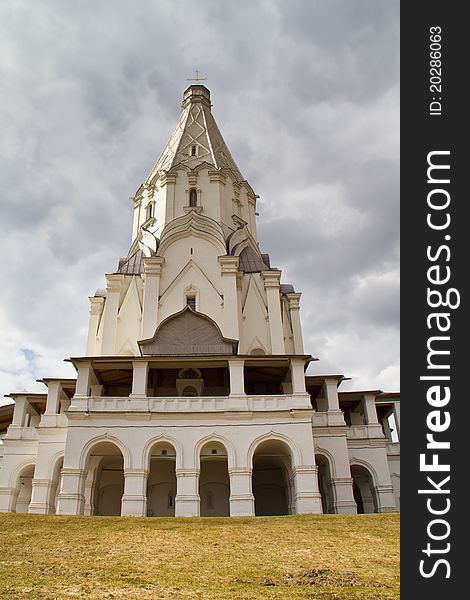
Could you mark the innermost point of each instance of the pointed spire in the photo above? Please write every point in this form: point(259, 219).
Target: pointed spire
point(196, 138)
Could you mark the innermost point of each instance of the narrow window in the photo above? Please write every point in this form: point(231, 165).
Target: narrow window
point(191, 302)
point(149, 210)
point(192, 197)
point(193, 151)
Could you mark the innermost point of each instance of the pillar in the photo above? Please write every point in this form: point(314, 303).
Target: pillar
point(139, 379)
point(300, 397)
point(307, 493)
point(71, 500)
point(237, 398)
point(41, 495)
point(294, 309)
point(111, 309)
point(229, 270)
point(152, 274)
point(370, 409)
point(134, 499)
point(54, 392)
point(242, 501)
point(96, 308)
point(187, 502)
point(85, 377)
point(272, 287)
point(343, 502)
point(330, 391)
point(20, 410)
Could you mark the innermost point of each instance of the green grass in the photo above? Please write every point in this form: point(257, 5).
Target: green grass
point(305, 556)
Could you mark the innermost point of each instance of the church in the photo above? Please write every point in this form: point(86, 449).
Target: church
point(192, 397)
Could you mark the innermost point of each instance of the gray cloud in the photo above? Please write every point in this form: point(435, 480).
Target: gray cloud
point(306, 96)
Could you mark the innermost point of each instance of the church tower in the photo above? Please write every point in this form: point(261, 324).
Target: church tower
point(191, 398)
point(194, 244)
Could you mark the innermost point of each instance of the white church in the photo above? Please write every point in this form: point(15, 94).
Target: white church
point(191, 398)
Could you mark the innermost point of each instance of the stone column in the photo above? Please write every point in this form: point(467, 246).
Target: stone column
point(111, 309)
point(187, 502)
point(41, 495)
point(272, 287)
point(85, 377)
point(152, 274)
point(294, 308)
point(343, 502)
point(372, 421)
point(134, 499)
point(385, 498)
point(300, 397)
point(71, 500)
point(20, 410)
point(96, 308)
point(242, 501)
point(54, 393)
point(330, 390)
point(237, 398)
point(139, 379)
point(307, 494)
point(229, 270)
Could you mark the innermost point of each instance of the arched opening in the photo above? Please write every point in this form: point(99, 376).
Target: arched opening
point(161, 483)
point(325, 484)
point(192, 197)
point(272, 480)
point(25, 487)
point(363, 490)
point(108, 486)
point(214, 481)
point(56, 483)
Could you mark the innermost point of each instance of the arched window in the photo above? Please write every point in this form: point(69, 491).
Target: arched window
point(149, 210)
point(193, 151)
point(192, 197)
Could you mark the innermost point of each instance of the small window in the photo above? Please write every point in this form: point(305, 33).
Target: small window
point(192, 197)
point(193, 151)
point(149, 210)
point(191, 302)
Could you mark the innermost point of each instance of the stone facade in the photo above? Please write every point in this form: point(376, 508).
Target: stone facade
point(192, 397)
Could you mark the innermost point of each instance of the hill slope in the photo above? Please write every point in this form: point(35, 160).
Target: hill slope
point(302, 556)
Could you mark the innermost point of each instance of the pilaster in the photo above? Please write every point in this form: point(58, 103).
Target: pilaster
point(242, 501)
point(229, 270)
point(187, 501)
point(294, 309)
point(134, 499)
point(111, 310)
point(272, 286)
point(152, 273)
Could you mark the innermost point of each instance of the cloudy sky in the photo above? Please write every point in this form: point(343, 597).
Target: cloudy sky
point(306, 96)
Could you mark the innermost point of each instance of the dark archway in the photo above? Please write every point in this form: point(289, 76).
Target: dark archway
point(272, 480)
point(108, 486)
point(214, 481)
point(363, 490)
point(161, 484)
point(325, 484)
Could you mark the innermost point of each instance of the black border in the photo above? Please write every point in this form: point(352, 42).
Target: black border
point(420, 134)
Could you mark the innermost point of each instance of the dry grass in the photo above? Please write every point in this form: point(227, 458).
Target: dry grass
point(307, 556)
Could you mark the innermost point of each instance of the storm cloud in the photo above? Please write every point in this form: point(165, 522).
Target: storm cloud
point(306, 96)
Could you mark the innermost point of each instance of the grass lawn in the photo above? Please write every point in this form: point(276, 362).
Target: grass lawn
point(303, 556)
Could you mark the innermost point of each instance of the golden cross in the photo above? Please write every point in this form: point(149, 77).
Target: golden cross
point(197, 79)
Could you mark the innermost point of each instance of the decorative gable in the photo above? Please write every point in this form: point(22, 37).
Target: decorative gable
point(188, 333)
